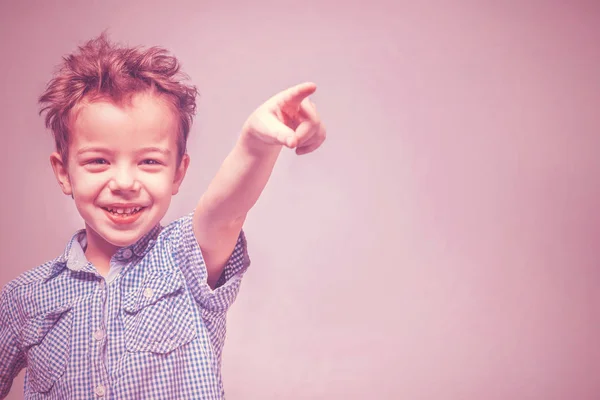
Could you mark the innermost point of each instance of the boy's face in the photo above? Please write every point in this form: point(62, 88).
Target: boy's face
point(122, 168)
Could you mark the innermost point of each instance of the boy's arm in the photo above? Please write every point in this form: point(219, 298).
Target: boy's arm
point(287, 119)
point(13, 359)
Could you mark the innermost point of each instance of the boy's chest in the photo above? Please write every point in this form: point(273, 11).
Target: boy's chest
point(106, 329)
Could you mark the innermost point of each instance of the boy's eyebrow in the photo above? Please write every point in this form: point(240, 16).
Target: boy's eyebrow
point(166, 152)
point(94, 149)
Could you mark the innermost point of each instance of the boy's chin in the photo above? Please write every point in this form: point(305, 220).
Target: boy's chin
point(121, 242)
point(124, 239)
point(118, 238)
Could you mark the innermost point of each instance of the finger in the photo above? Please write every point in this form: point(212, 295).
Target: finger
point(285, 136)
point(289, 100)
point(305, 131)
point(313, 143)
point(305, 123)
point(274, 131)
point(312, 105)
point(309, 147)
point(307, 110)
point(304, 112)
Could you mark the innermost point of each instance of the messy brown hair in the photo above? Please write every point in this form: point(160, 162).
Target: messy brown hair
point(101, 69)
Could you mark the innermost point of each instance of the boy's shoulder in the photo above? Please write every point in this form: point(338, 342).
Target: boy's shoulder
point(28, 280)
point(24, 288)
point(17, 290)
point(42, 271)
point(31, 276)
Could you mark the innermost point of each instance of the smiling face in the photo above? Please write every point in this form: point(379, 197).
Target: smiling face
point(122, 169)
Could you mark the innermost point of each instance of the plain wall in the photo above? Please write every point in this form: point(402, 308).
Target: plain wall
point(444, 241)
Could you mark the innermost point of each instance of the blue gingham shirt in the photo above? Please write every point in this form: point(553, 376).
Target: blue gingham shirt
point(153, 329)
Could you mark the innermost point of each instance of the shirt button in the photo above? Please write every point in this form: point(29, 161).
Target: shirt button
point(100, 390)
point(101, 283)
point(148, 293)
point(127, 253)
point(99, 334)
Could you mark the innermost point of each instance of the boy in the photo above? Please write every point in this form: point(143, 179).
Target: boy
point(131, 309)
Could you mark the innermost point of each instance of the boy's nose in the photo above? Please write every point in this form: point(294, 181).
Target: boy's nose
point(124, 182)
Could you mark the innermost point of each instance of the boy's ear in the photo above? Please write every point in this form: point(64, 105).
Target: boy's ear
point(180, 173)
point(61, 173)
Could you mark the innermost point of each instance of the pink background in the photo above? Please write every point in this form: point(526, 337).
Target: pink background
point(443, 244)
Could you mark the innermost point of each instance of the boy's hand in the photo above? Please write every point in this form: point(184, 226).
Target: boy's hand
point(289, 118)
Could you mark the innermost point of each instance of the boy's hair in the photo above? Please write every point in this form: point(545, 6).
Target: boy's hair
point(107, 71)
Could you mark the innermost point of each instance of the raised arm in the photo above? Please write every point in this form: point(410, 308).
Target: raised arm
point(287, 119)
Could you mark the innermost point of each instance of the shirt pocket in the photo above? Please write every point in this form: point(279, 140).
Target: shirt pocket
point(157, 317)
point(47, 341)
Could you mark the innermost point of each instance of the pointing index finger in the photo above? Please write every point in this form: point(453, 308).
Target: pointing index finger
point(291, 98)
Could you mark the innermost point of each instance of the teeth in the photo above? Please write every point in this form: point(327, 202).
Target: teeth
point(124, 210)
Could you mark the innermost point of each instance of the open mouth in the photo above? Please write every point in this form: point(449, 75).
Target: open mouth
point(123, 212)
point(123, 216)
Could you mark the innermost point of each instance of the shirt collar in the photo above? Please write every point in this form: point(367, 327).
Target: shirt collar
point(74, 258)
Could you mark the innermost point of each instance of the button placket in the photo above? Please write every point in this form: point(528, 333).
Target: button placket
point(99, 334)
point(99, 342)
point(127, 253)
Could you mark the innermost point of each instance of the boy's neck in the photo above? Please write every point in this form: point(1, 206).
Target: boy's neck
point(99, 251)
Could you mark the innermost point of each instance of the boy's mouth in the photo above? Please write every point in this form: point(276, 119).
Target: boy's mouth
point(123, 215)
point(118, 211)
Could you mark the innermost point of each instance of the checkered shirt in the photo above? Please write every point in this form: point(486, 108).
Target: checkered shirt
point(153, 329)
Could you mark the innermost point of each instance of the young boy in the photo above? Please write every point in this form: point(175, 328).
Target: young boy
point(131, 309)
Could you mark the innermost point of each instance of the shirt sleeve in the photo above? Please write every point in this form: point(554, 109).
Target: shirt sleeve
point(11, 354)
point(187, 252)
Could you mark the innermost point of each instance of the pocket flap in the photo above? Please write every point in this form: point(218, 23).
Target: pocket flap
point(151, 291)
point(37, 327)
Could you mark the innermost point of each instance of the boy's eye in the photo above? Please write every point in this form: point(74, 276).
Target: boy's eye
point(99, 161)
point(150, 162)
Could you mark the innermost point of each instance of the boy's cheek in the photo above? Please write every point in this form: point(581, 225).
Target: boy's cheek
point(156, 185)
point(159, 183)
point(85, 187)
